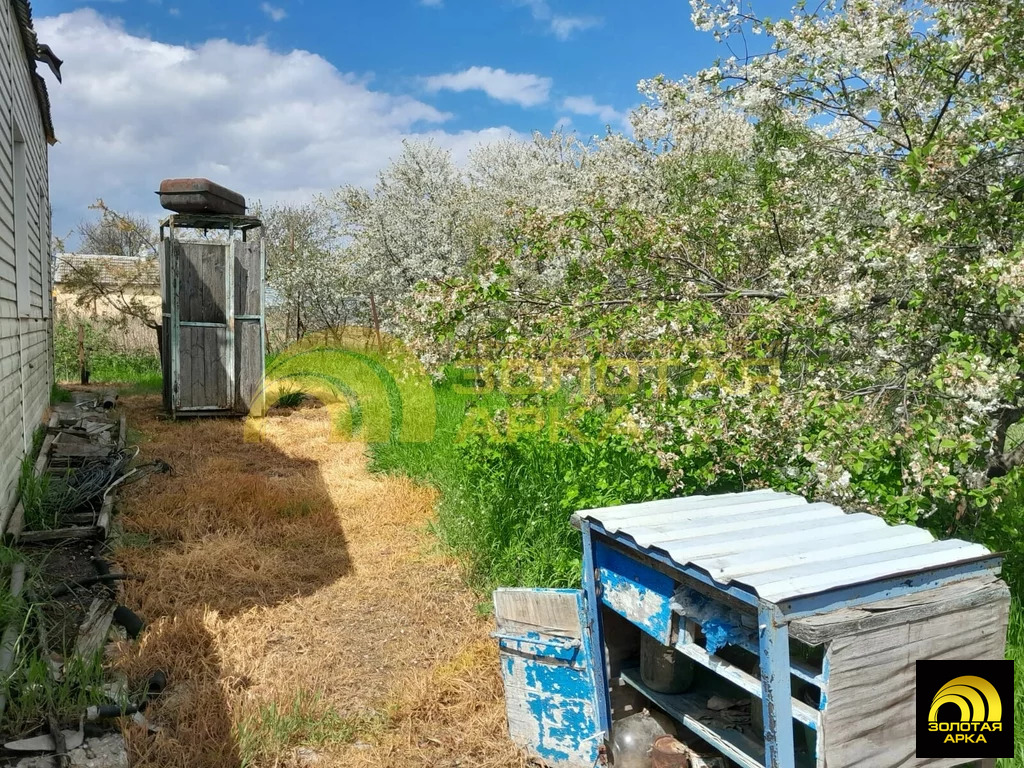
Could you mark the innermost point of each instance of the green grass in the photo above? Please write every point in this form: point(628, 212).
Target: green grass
point(59, 395)
point(291, 398)
point(1015, 652)
point(308, 722)
point(33, 694)
point(107, 363)
point(11, 608)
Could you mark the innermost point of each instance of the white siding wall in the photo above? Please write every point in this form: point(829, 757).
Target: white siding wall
point(26, 371)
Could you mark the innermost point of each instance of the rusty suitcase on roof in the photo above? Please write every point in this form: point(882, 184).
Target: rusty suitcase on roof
point(200, 196)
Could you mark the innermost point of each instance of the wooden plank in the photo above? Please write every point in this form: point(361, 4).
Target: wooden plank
point(741, 679)
point(248, 290)
point(61, 534)
point(212, 364)
point(871, 714)
point(777, 694)
point(248, 362)
point(106, 515)
point(185, 367)
point(72, 450)
point(218, 289)
point(956, 596)
point(216, 372)
point(92, 635)
point(122, 432)
point(44, 449)
point(553, 612)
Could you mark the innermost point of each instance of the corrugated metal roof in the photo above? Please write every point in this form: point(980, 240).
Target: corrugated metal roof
point(779, 546)
point(108, 270)
point(33, 52)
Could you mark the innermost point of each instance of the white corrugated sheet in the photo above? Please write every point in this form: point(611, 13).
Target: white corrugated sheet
point(779, 546)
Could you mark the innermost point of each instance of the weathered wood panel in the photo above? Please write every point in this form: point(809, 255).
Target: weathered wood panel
point(248, 364)
point(202, 283)
point(871, 712)
point(218, 366)
point(248, 277)
point(203, 373)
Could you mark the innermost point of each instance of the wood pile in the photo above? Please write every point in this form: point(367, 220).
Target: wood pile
point(59, 532)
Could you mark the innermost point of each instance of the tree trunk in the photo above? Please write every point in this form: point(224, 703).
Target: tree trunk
point(83, 368)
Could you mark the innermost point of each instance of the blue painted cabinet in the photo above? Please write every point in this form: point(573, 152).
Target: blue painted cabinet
point(544, 639)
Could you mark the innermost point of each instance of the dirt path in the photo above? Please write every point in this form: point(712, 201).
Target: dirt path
point(299, 607)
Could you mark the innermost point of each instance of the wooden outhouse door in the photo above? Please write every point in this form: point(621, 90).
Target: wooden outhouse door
point(216, 325)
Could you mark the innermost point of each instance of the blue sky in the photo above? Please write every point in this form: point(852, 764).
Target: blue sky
point(284, 99)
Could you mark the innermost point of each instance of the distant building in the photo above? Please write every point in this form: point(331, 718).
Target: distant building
point(126, 277)
point(26, 331)
point(115, 295)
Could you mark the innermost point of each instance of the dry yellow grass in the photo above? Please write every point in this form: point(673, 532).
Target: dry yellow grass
point(279, 570)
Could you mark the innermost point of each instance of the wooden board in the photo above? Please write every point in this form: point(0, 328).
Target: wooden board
point(249, 366)
point(95, 627)
point(960, 595)
point(203, 380)
point(248, 277)
point(871, 712)
point(202, 287)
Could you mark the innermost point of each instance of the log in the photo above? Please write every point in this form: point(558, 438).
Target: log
point(62, 534)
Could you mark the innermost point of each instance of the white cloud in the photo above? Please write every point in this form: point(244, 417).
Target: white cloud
point(523, 89)
point(274, 12)
point(560, 26)
point(275, 126)
point(563, 26)
point(587, 106)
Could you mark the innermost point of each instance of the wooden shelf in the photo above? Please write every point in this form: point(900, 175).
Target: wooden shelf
point(691, 712)
point(801, 712)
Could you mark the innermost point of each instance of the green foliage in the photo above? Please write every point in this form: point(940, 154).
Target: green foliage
point(511, 509)
point(59, 395)
point(33, 693)
point(12, 609)
point(291, 398)
point(33, 491)
point(1015, 652)
point(107, 362)
point(308, 722)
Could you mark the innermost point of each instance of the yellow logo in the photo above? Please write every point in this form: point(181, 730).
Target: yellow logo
point(981, 710)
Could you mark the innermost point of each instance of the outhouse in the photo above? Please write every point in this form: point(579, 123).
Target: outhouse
point(767, 630)
point(213, 277)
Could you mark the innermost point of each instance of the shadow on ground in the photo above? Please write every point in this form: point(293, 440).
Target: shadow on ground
point(236, 528)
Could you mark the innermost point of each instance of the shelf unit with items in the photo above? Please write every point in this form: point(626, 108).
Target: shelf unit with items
point(772, 633)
